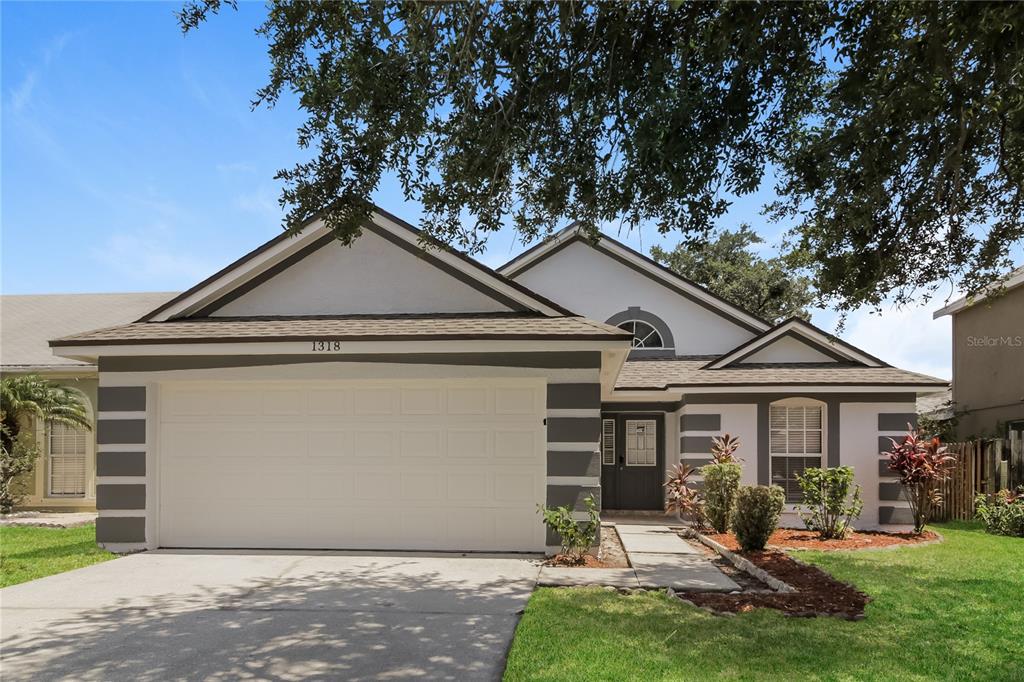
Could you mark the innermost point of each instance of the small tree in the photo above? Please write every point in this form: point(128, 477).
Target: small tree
point(681, 499)
point(721, 479)
point(830, 506)
point(576, 537)
point(922, 464)
point(756, 514)
point(22, 399)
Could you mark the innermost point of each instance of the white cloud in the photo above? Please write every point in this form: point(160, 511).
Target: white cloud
point(21, 95)
point(905, 337)
point(150, 258)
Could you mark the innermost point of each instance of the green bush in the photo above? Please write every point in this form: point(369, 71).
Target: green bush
point(830, 506)
point(576, 537)
point(756, 514)
point(720, 484)
point(1002, 514)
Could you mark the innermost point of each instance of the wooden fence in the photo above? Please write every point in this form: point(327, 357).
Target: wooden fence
point(982, 466)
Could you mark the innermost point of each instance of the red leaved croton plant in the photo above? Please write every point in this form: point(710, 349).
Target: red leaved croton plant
point(922, 464)
point(681, 499)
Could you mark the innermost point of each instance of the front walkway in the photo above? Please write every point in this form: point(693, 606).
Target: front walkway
point(658, 558)
point(48, 519)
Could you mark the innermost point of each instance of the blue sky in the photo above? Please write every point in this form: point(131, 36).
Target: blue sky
point(131, 161)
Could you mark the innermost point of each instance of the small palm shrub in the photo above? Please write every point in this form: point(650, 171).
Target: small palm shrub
point(756, 514)
point(682, 499)
point(575, 537)
point(720, 484)
point(723, 449)
point(830, 505)
point(922, 464)
point(1003, 513)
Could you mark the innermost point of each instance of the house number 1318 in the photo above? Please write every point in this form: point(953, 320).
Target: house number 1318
point(326, 345)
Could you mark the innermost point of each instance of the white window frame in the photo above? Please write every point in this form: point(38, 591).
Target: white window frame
point(630, 326)
point(788, 404)
point(652, 450)
point(78, 433)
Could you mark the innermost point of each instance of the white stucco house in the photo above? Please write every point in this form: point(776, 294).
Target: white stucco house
point(379, 396)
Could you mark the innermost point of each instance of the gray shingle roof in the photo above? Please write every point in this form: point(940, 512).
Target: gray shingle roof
point(688, 373)
point(28, 322)
point(350, 328)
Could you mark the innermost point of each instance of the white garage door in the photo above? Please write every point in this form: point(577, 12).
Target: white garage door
point(416, 464)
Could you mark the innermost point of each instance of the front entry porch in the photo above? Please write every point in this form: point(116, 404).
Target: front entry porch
point(632, 461)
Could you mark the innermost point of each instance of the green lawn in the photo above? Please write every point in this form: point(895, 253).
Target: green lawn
point(29, 553)
point(949, 611)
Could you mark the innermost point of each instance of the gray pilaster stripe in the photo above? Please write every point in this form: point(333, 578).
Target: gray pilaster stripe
point(891, 491)
point(700, 422)
point(764, 458)
point(111, 529)
point(574, 429)
point(885, 443)
point(888, 421)
point(115, 496)
point(552, 539)
point(572, 496)
point(695, 444)
point(542, 360)
point(574, 463)
point(642, 407)
point(122, 398)
point(833, 423)
point(884, 471)
point(895, 515)
point(695, 462)
point(121, 431)
point(574, 396)
point(120, 463)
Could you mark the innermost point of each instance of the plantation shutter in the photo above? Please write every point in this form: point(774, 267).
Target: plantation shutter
point(795, 442)
point(608, 441)
point(67, 454)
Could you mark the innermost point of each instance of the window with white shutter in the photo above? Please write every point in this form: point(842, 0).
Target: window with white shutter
point(608, 441)
point(796, 438)
point(67, 450)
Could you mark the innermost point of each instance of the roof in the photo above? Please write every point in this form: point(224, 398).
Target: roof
point(1011, 281)
point(691, 372)
point(640, 263)
point(351, 328)
point(27, 322)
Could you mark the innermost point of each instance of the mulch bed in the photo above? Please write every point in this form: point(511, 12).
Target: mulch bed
point(789, 538)
point(817, 593)
point(612, 554)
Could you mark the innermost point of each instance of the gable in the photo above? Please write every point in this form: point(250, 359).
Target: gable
point(371, 276)
point(787, 349)
point(391, 268)
point(600, 284)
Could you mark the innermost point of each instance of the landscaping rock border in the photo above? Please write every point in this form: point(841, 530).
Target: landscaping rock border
point(744, 565)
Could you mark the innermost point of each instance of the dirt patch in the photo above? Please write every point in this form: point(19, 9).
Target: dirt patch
point(611, 554)
point(789, 538)
point(817, 593)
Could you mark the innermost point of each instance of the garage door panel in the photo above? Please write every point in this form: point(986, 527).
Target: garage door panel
point(417, 464)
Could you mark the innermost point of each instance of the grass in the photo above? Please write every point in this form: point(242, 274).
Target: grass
point(27, 553)
point(954, 610)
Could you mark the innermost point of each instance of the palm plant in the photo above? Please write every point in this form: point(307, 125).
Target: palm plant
point(21, 399)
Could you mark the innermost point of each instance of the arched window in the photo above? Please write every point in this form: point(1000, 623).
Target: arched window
point(796, 441)
point(644, 334)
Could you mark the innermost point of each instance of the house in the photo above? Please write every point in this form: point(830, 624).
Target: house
point(988, 360)
point(65, 474)
point(382, 396)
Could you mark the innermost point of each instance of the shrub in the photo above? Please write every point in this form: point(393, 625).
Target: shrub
point(723, 449)
point(756, 514)
point(681, 499)
point(720, 484)
point(576, 537)
point(830, 507)
point(1003, 513)
point(922, 464)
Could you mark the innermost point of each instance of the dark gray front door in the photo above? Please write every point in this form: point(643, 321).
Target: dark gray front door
point(633, 473)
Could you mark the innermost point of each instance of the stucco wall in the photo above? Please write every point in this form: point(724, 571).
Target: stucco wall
point(988, 364)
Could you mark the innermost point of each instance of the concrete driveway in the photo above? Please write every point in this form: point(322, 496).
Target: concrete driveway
point(267, 615)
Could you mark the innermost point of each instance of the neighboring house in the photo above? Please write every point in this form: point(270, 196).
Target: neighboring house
point(312, 395)
point(988, 360)
point(64, 476)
